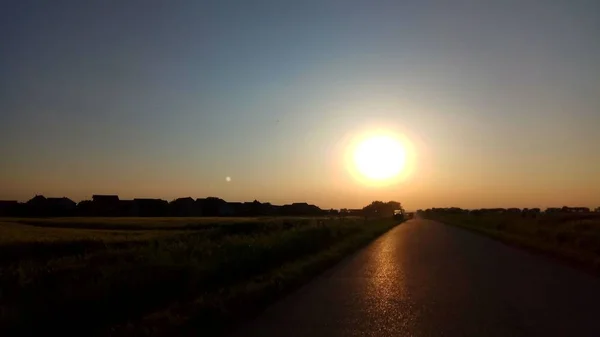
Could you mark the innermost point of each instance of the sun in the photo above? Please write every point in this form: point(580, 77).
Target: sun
point(379, 158)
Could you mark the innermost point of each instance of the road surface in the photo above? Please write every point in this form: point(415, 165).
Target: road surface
point(424, 278)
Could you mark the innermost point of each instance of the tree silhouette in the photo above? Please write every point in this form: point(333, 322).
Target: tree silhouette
point(381, 209)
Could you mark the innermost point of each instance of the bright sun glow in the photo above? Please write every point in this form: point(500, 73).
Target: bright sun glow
point(379, 158)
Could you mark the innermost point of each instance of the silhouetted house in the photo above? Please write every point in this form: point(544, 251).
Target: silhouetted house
point(150, 207)
point(252, 208)
point(36, 206)
point(552, 210)
point(240, 208)
point(60, 206)
point(210, 206)
point(225, 209)
point(300, 209)
point(84, 208)
point(513, 211)
point(38, 200)
point(256, 208)
point(9, 208)
point(105, 205)
point(184, 207)
point(126, 208)
point(268, 209)
point(63, 203)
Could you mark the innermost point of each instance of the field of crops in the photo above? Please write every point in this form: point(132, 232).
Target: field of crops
point(159, 276)
point(572, 236)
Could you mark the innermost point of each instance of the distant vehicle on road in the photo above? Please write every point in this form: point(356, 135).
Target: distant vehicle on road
point(399, 214)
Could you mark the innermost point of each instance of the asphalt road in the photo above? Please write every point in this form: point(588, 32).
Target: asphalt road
point(424, 278)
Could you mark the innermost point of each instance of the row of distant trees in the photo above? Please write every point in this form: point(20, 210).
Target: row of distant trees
point(111, 205)
point(523, 211)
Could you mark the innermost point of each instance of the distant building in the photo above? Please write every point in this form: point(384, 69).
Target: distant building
point(62, 203)
point(300, 209)
point(211, 206)
point(36, 206)
point(9, 208)
point(105, 205)
point(38, 200)
point(185, 207)
point(126, 208)
point(150, 207)
point(240, 208)
point(61, 206)
point(112, 206)
point(226, 209)
point(42, 206)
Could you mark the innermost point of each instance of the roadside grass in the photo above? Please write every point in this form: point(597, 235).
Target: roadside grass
point(161, 282)
point(574, 238)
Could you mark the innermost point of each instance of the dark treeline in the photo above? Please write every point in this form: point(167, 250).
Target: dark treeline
point(112, 206)
point(523, 212)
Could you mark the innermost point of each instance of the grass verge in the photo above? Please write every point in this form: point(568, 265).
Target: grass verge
point(164, 283)
point(220, 312)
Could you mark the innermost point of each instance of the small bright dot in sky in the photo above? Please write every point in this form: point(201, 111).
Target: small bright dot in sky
point(227, 179)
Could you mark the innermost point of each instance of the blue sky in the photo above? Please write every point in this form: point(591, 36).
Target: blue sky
point(165, 99)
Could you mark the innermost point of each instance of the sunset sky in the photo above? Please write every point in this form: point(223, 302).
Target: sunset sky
point(500, 100)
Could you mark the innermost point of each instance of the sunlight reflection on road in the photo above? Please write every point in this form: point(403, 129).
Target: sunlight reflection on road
point(386, 291)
